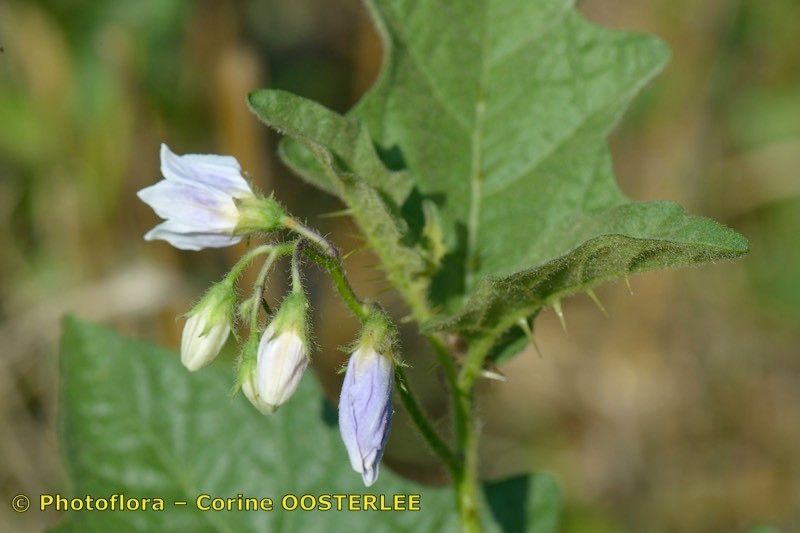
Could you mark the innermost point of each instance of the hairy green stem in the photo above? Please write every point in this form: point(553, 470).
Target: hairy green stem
point(463, 463)
point(334, 268)
point(467, 484)
point(309, 234)
point(258, 289)
point(451, 376)
point(413, 293)
point(237, 269)
point(297, 281)
point(476, 355)
point(439, 447)
point(465, 476)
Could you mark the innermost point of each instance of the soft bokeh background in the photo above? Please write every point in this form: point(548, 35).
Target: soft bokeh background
point(680, 411)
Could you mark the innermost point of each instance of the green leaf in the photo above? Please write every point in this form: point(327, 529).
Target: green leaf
point(340, 157)
point(135, 422)
point(639, 237)
point(525, 503)
point(500, 111)
point(346, 138)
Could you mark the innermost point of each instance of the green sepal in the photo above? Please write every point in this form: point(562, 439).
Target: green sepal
point(246, 361)
point(292, 315)
point(378, 333)
point(218, 303)
point(259, 214)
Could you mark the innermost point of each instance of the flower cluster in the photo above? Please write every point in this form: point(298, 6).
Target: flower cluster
point(207, 203)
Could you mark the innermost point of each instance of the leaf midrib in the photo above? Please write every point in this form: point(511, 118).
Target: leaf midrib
point(476, 175)
point(476, 178)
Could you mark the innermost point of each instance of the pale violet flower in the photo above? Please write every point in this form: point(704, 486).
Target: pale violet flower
point(206, 203)
point(208, 327)
point(281, 358)
point(365, 409)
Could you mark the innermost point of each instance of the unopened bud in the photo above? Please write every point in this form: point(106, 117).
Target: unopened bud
point(365, 404)
point(281, 359)
point(207, 327)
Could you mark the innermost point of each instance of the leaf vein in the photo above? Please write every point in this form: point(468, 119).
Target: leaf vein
point(402, 41)
point(544, 31)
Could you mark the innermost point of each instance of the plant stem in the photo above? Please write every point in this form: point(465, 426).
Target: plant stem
point(451, 376)
point(478, 350)
point(438, 446)
point(309, 234)
point(258, 289)
point(335, 270)
point(244, 262)
point(465, 477)
point(467, 484)
point(297, 282)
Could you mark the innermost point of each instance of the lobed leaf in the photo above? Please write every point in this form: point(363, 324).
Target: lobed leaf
point(341, 151)
point(499, 110)
point(628, 239)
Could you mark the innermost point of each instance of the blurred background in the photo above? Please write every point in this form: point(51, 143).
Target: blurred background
point(679, 411)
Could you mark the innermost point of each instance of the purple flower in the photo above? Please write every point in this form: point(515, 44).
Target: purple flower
point(365, 410)
point(198, 198)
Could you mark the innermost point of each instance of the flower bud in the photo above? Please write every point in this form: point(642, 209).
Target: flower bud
point(281, 359)
point(247, 368)
point(365, 407)
point(207, 327)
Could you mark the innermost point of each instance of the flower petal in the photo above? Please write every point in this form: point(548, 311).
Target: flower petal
point(193, 206)
point(347, 419)
point(185, 239)
point(221, 172)
point(281, 363)
point(202, 340)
